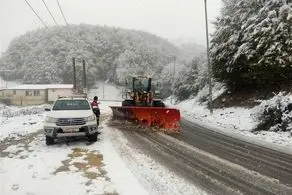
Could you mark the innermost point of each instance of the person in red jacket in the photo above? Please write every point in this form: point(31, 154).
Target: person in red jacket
point(95, 108)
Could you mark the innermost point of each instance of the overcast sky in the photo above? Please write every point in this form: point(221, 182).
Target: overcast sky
point(171, 19)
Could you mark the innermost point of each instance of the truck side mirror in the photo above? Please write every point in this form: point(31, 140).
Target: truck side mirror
point(127, 82)
point(47, 109)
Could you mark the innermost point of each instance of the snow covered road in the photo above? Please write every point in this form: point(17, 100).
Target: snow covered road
point(112, 165)
point(199, 161)
point(271, 163)
point(206, 169)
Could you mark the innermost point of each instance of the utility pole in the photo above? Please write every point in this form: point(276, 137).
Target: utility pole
point(103, 78)
point(84, 78)
point(103, 90)
point(173, 76)
point(209, 63)
point(74, 75)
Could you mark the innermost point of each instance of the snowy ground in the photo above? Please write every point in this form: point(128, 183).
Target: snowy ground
point(236, 121)
point(19, 121)
point(109, 166)
point(83, 167)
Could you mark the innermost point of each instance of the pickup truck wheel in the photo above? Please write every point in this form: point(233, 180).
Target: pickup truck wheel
point(50, 140)
point(92, 137)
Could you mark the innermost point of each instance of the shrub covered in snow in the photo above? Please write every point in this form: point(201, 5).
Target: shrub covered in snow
point(275, 114)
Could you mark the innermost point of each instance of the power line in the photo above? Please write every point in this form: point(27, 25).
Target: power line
point(36, 13)
point(49, 11)
point(62, 12)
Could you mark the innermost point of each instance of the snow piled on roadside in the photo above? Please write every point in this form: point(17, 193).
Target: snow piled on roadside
point(16, 127)
point(234, 120)
point(19, 121)
point(13, 111)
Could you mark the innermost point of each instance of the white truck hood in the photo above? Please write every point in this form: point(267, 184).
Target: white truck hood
point(70, 113)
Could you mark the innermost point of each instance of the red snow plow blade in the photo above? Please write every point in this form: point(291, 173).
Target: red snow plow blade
point(165, 119)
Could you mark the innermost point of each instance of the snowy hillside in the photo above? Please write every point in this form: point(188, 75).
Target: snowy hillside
point(45, 55)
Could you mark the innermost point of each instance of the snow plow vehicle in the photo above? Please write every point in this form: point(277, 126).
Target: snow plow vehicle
point(142, 107)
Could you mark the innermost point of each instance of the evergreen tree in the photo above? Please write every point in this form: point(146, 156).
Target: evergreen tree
point(252, 43)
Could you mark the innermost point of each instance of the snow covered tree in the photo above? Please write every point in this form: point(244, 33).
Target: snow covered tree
point(252, 43)
point(190, 80)
point(169, 76)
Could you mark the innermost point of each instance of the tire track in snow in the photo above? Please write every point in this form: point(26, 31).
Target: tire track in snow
point(266, 161)
point(154, 176)
point(215, 175)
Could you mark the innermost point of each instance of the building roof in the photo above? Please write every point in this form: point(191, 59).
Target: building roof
point(43, 86)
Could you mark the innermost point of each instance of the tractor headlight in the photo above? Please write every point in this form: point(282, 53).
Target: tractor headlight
point(90, 118)
point(50, 120)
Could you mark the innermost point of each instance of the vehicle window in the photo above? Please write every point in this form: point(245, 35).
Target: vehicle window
point(71, 105)
point(141, 85)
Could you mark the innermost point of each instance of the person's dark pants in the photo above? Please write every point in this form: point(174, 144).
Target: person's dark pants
point(97, 120)
point(97, 114)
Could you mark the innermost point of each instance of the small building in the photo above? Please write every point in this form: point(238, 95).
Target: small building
point(35, 94)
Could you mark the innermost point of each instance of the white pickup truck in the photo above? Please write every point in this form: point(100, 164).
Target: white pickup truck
point(70, 117)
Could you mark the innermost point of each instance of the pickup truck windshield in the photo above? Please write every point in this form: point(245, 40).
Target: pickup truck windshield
point(71, 105)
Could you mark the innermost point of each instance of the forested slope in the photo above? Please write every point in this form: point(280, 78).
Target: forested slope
point(45, 55)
